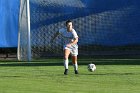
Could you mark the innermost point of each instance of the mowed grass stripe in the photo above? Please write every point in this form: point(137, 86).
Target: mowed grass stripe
point(50, 79)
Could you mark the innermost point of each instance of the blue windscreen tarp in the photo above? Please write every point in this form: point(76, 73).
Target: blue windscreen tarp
point(98, 22)
point(117, 21)
point(9, 12)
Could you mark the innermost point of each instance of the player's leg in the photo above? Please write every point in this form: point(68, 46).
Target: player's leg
point(74, 53)
point(66, 61)
point(75, 64)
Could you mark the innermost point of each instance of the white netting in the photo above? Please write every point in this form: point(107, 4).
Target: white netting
point(101, 31)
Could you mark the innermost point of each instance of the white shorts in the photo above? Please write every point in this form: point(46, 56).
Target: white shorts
point(73, 50)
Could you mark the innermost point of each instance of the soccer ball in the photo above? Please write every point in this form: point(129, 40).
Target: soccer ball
point(91, 67)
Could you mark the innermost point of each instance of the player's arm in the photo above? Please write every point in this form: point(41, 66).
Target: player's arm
point(55, 35)
point(74, 41)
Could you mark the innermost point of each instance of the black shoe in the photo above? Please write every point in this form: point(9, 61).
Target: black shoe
point(66, 72)
point(76, 72)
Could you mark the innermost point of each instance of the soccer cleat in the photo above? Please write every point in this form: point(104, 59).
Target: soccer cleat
point(76, 72)
point(66, 72)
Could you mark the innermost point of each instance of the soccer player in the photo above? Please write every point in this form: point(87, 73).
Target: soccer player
point(70, 45)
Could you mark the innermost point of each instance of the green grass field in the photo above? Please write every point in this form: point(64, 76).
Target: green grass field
point(111, 76)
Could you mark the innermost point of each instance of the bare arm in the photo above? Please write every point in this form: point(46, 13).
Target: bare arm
point(55, 35)
point(73, 42)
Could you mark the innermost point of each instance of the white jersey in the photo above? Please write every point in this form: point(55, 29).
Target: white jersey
point(68, 36)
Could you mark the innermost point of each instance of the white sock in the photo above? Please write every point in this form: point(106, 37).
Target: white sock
point(75, 66)
point(66, 62)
